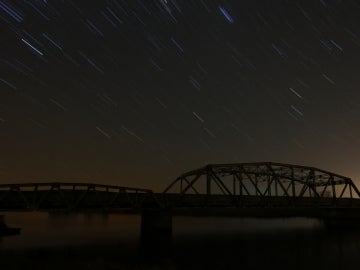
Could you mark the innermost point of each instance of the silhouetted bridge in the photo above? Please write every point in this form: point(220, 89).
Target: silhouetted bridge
point(245, 185)
point(262, 189)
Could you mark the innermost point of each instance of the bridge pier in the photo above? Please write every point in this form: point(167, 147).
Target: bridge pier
point(156, 233)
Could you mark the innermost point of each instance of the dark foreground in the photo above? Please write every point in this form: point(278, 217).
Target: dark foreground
point(296, 249)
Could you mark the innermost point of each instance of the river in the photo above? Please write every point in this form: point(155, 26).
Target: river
point(93, 241)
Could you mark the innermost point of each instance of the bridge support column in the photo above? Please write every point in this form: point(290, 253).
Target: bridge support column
point(156, 233)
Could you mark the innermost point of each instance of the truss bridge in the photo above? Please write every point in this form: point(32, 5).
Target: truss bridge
point(256, 190)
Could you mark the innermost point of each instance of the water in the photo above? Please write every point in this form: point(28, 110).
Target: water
point(112, 242)
point(53, 230)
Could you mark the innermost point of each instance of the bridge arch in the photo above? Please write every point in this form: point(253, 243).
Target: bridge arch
point(264, 179)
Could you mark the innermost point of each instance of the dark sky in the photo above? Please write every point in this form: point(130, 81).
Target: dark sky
point(136, 92)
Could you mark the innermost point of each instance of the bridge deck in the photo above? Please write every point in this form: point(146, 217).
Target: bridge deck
point(190, 204)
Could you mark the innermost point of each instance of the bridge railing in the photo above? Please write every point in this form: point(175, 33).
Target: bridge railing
point(70, 185)
point(69, 196)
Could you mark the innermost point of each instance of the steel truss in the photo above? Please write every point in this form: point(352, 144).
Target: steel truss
point(264, 179)
point(69, 196)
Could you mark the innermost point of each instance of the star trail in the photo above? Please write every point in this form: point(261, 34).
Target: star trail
point(136, 92)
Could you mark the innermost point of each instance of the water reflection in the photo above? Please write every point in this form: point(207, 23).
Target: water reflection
point(198, 243)
point(259, 244)
point(43, 229)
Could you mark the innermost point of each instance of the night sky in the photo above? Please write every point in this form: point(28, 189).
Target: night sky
point(136, 92)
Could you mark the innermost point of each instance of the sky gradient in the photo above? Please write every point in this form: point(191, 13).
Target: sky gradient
point(136, 92)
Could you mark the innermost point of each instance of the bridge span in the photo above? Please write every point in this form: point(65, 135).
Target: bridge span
point(262, 185)
point(262, 190)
